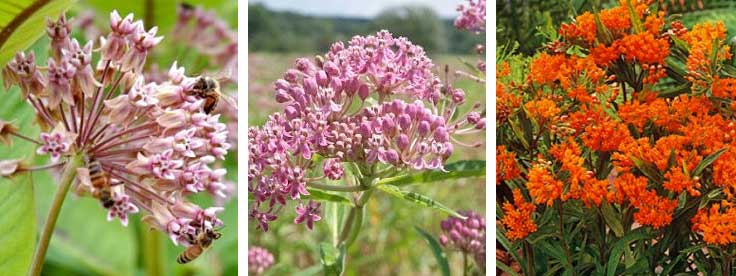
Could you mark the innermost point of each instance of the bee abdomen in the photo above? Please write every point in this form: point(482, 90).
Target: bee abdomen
point(189, 254)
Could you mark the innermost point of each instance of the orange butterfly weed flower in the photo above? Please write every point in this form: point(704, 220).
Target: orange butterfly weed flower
point(616, 19)
point(724, 172)
point(542, 110)
point(542, 186)
point(654, 23)
point(603, 55)
point(605, 135)
point(701, 39)
point(677, 181)
point(724, 87)
point(644, 48)
point(506, 165)
point(582, 29)
point(518, 217)
point(653, 210)
point(717, 223)
point(582, 183)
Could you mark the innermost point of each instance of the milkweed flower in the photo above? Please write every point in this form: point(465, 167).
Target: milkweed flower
point(716, 224)
point(518, 217)
point(259, 259)
point(472, 17)
point(152, 142)
point(466, 235)
point(403, 119)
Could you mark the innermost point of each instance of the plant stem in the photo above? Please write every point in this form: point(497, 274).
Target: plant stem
point(529, 256)
point(562, 239)
point(465, 264)
point(67, 178)
point(152, 252)
point(726, 262)
point(336, 188)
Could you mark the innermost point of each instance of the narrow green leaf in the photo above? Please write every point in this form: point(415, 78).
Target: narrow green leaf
point(24, 21)
point(707, 161)
point(436, 250)
point(648, 169)
point(319, 195)
point(418, 199)
point(461, 169)
point(619, 247)
point(613, 220)
point(507, 269)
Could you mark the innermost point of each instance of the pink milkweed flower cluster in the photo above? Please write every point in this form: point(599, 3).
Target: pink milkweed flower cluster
point(151, 140)
point(205, 32)
point(375, 101)
point(466, 235)
point(259, 259)
point(472, 17)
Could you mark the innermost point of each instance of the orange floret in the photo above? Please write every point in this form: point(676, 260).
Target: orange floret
point(518, 217)
point(582, 29)
point(542, 111)
point(724, 88)
point(677, 181)
point(643, 48)
point(605, 135)
point(654, 210)
point(507, 166)
point(717, 224)
point(542, 186)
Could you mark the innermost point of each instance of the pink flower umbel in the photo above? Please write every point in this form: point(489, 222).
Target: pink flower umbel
point(146, 146)
point(259, 259)
point(472, 17)
point(466, 235)
point(374, 103)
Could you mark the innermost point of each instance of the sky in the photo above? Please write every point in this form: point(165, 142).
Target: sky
point(357, 8)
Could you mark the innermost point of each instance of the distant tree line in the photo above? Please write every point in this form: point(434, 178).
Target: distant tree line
point(274, 31)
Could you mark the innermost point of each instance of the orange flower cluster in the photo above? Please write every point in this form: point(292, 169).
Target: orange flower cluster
point(563, 69)
point(699, 61)
point(583, 185)
point(542, 111)
point(542, 185)
point(518, 217)
point(717, 224)
point(652, 209)
point(506, 166)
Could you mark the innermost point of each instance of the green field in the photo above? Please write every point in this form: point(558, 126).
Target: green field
point(388, 245)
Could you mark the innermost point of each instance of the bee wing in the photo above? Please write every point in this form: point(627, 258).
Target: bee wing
point(228, 99)
point(224, 76)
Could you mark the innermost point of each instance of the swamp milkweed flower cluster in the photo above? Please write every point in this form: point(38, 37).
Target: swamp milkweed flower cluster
point(259, 260)
point(374, 102)
point(467, 235)
point(134, 145)
point(633, 128)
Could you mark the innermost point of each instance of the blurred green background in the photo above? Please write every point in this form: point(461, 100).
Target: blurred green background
point(388, 243)
point(84, 242)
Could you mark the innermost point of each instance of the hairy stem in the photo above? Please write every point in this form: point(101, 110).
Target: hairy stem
point(465, 264)
point(67, 178)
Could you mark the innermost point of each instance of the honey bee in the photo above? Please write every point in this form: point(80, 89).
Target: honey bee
point(208, 89)
point(101, 182)
point(203, 241)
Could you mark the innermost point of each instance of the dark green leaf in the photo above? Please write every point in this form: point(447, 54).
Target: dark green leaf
point(505, 268)
point(461, 169)
point(436, 250)
point(619, 247)
point(707, 161)
point(648, 169)
point(613, 219)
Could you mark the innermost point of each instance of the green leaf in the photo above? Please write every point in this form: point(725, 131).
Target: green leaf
point(613, 220)
point(436, 250)
point(506, 268)
point(461, 169)
point(331, 259)
point(418, 199)
point(317, 194)
point(619, 247)
point(707, 161)
point(17, 222)
point(648, 169)
point(24, 21)
point(17, 225)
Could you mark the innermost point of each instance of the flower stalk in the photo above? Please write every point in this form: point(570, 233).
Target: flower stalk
point(67, 178)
